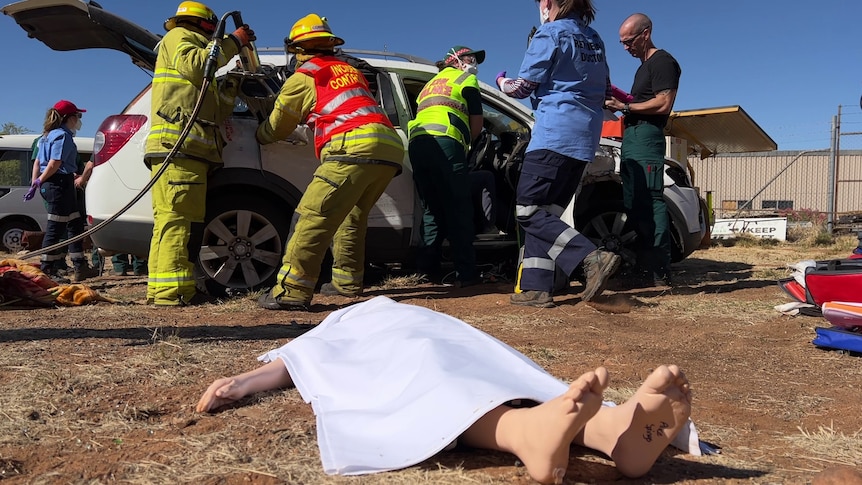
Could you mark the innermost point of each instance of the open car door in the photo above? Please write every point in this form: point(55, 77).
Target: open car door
point(66, 25)
point(710, 131)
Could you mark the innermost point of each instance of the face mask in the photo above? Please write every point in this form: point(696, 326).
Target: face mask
point(76, 126)
point(470, 68)
point(544, 14)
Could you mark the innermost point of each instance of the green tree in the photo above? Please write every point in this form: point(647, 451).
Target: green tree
point(10, 128)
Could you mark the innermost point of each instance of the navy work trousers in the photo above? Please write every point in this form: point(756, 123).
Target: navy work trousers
point(63, 218)
point(547, 183)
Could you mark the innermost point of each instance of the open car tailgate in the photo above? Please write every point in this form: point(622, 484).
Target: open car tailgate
point(711, 131)
point(66, 25)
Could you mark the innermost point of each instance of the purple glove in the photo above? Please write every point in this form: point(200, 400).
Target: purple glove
point(621, 95)
point(500, 75)
point(32, 192)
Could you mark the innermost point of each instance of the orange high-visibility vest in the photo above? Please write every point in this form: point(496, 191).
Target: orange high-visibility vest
point(344, 101)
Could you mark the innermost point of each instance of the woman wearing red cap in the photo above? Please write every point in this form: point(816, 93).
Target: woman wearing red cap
point(54, 177)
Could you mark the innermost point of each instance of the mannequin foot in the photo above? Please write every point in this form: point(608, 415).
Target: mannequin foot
point(635, 433)
point(547, 430)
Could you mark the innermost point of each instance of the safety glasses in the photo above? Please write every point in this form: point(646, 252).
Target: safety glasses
point(628, 42)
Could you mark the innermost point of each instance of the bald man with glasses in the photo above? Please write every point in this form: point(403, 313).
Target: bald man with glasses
point(643, 150)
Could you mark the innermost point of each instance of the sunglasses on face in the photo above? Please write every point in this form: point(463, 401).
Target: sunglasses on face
point(628, 42)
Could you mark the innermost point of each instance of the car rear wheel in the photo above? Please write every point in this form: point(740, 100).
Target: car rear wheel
point(243, 242)
point(12, 234)
point(606, 224)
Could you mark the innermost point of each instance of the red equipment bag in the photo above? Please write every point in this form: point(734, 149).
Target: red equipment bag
point(833, 280)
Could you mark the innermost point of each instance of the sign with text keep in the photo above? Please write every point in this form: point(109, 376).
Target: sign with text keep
point(764, 228)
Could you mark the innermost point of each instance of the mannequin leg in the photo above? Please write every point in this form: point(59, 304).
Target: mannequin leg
point(540, 436)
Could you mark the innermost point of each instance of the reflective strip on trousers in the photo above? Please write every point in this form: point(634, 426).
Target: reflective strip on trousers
point(294, 279)
point(346, 279)
point(529, 210)
point(538, 263)
point(171, 280)
point(58, 218)
point(561, 242)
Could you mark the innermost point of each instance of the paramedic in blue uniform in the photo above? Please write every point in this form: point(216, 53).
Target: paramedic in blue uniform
point(54, 178)
point(566, 73)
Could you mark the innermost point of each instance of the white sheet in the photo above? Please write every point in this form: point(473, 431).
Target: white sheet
point(393, 384)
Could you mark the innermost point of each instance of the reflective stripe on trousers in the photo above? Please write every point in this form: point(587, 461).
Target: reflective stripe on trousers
point(179, 202)
point(548, 181)
point(333, 211)
point(64, 221)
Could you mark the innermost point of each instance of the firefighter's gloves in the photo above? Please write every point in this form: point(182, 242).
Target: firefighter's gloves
point(243, 36)
point(33, 188)
point(500, 76)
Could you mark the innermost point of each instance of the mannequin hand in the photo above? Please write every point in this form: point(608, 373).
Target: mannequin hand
point(33, 188)
point(500, 75)
point(244, 36)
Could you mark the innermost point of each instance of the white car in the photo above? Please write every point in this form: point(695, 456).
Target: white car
point(16, 169)
point(251, 199)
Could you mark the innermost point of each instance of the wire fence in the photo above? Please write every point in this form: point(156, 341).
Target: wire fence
point(794, 183)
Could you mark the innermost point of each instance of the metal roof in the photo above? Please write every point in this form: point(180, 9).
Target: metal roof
point(711, 131)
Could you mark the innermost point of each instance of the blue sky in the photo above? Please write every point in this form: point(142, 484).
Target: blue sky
point(789, 64)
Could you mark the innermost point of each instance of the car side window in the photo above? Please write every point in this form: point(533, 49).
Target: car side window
point(15, 167)
point(412, 88)
point(504, 130)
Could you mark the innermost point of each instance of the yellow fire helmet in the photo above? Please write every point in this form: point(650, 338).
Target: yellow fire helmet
point(208, 19)
point(312, 26)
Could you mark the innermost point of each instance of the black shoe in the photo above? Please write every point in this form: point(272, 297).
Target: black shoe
point(270, 302)
point(598, 267)
point(662, 279)
point(468, 283)
point(198, 299)
point(84, 272)
point(58, 276)
point(330, 289)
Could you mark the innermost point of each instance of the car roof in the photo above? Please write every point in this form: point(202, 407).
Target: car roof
point(66, 25)
point(25, 141)
point(390, 61)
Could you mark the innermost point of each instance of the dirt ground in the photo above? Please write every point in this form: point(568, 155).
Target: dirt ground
point(105, 393)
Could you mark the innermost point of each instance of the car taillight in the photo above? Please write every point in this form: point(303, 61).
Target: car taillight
point(113, 134)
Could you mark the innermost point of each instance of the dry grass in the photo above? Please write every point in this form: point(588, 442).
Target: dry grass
point(112, 402)
point(830, 445)
point(408, 281)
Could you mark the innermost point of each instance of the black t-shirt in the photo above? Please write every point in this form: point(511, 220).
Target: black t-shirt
point(474, 100)
point(658, 73)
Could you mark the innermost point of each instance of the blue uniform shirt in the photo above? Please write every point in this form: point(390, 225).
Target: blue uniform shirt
point(58, 145)
point(566, 58)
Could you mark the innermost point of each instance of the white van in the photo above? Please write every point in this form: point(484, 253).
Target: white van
point(16, 168)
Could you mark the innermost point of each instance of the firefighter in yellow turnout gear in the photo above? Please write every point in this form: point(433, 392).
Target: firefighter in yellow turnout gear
point(359, 151)
point(179, 196)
